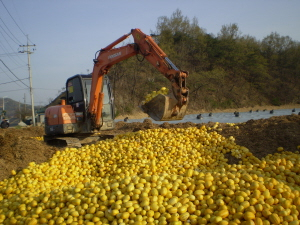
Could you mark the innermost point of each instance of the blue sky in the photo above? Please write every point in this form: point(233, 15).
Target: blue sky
point(67, 33)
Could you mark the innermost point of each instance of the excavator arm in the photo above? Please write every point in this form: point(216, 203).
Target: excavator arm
point(171, 107)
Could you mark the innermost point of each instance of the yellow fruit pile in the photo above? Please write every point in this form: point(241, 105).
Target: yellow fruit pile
point(163, 91)
point(160, 176)
point(38, 138)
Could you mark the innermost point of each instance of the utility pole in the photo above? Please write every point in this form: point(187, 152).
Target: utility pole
point(30, 77)
point(20, 111)
point(3, 107)
point(24, 103)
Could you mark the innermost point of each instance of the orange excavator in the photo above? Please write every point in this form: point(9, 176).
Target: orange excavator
point(88, 106)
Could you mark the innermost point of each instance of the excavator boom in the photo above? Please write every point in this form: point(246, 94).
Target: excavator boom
point(162, 107)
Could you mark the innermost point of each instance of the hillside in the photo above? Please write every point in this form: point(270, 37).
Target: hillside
point(16, 109)
point(229, 70)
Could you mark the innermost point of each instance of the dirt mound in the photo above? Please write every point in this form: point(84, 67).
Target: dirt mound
point(18, 148)
point(264, 136)
point(261, 137)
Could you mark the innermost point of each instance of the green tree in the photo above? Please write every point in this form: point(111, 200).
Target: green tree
point(183, 40)
point(282, 55)
point(230, 53)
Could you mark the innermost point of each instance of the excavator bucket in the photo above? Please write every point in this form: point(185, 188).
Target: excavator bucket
point(164, 108)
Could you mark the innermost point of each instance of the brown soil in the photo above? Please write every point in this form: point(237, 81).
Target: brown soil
point(261, 137)
point(18, 149)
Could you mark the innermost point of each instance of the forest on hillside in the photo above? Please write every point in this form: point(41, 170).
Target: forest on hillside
point(227, 70)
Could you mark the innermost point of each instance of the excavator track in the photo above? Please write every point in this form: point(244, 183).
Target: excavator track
point(75, 141)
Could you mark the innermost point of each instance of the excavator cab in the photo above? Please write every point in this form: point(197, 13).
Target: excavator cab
point(70, 123)
point(78, 96)
point(72, 116)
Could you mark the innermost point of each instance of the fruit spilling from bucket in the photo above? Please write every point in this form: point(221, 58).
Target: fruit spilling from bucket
point(148, 97)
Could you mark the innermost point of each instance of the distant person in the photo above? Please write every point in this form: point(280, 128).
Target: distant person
point(4, 124)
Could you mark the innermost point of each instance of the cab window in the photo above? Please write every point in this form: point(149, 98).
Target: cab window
point(74, 90)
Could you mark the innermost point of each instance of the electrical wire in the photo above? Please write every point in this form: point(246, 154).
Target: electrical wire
point(13, 81)
point(5, 50)
point(15, 24)
point(27, 89)
point(13, 19)
point(14, 67)
point(8, 76)
point(10, 34)
point(14, 90)
point(12, 37)
point(13, 73)
point(49, 89)
point(9, 54)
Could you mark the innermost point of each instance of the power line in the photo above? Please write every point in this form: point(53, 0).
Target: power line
point(46, 89)
point(12, 18)
point(5, 50)
point(49, 89)
point(8, 76)
point(14, 90)
point(13, 81)
point(14, 67)
point(15, 39)
point(13, 73)
point(11, 36)
point(9, 54)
